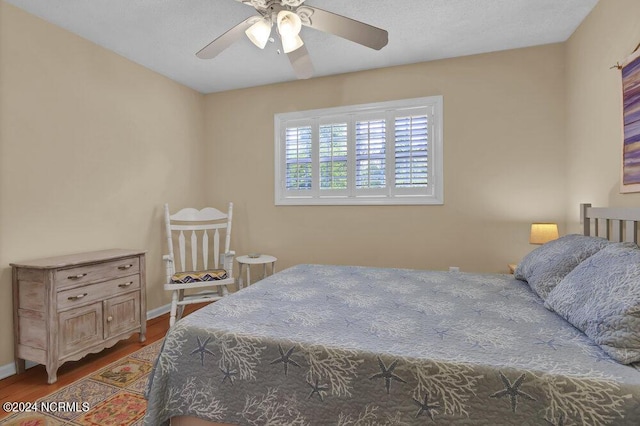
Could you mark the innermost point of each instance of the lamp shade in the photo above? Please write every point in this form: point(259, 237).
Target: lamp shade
point(259, 33)
point(291, 43)
point(543, 232)
point(289, 24)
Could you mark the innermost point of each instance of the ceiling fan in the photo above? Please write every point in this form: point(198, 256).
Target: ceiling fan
point(288, 17)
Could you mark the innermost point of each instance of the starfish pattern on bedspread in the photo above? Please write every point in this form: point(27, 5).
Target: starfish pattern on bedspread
point(387, 373)
point(425, 407)
point(423, 311)
point(398, 304)
point(228, 374)
point(202, 349)
point(512, 390)
point(504, 295)
point(285, 358)
point(550, 343)
point(317, 388)
point(348, 322)
point(441, 333)
point(480, 345)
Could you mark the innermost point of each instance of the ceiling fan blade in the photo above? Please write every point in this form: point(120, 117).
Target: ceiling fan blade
point(214, 48)
point(359, 32)
point(301, 63)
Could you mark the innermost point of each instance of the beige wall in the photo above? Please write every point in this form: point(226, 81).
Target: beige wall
point(504, 165)
point(91, 146)
point(594, 98)
point(88, 140)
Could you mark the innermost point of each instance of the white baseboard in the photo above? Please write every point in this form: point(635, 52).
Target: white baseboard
point(7, 370)
point(10, 369)
point(155, 313)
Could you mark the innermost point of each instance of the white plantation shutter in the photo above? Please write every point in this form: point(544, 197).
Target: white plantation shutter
point(411, 151)
point(333, 156)
point(371, 154)
point(382, 153)
point(298, 147)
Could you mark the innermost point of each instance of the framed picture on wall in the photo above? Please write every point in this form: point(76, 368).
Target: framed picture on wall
point(631, 119)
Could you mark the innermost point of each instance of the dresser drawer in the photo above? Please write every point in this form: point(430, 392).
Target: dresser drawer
point(82, 295)
point(97, 271)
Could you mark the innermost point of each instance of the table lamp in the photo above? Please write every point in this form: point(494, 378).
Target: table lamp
point(543, 232)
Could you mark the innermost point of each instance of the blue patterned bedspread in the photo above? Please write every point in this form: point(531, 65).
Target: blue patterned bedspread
point(341, 345)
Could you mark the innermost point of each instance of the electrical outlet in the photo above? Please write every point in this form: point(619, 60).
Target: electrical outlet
point(454, 269)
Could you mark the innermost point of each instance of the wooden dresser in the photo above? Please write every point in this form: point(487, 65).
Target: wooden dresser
point(69, 306)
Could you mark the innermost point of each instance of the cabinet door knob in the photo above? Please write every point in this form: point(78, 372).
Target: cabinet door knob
point(78, 297)
point(109, 318)
point(125, 285)
point(123, 267)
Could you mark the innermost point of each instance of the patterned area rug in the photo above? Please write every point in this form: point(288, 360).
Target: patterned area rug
point(113, 396)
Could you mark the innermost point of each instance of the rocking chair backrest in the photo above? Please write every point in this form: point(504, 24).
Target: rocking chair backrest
point(198, 234)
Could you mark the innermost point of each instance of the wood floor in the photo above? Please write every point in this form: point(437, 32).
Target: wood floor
point(33, 383)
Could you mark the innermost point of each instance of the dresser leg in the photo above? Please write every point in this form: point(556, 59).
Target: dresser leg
point(52, 371)
point(20, 365)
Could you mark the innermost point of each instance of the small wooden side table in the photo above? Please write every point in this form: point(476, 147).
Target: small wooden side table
point(247, 261)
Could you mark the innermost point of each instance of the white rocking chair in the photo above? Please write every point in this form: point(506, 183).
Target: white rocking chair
point(210, 266)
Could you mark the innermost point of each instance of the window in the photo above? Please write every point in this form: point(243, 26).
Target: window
point(382, 153)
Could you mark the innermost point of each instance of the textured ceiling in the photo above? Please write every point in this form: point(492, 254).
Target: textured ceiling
point(164, 35)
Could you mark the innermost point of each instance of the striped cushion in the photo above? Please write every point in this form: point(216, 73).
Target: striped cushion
point(199, 276)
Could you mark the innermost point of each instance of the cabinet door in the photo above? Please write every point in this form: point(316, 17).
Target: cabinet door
point(122, 314)
point(79, 328)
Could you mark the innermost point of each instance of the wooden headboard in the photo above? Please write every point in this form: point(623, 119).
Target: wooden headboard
point(614, 224)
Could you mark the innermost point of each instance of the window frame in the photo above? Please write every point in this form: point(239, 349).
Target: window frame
point(432, 194)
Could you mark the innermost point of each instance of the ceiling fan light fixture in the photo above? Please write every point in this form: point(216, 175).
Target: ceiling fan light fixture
point(259, 32)
point(289, 44)
point(289, 24)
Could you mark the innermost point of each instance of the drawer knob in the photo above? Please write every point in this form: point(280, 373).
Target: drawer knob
point(124, 267)
point(76, 277)
point(109, 318)
point(125, 285)
point(78, 297)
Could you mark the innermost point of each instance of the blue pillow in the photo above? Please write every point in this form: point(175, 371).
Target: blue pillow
point(601, 297)
point(547, 265)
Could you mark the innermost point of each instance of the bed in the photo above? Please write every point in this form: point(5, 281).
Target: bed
point(348, 345)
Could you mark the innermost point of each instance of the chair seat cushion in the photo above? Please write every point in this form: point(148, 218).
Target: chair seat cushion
point(199, 276)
